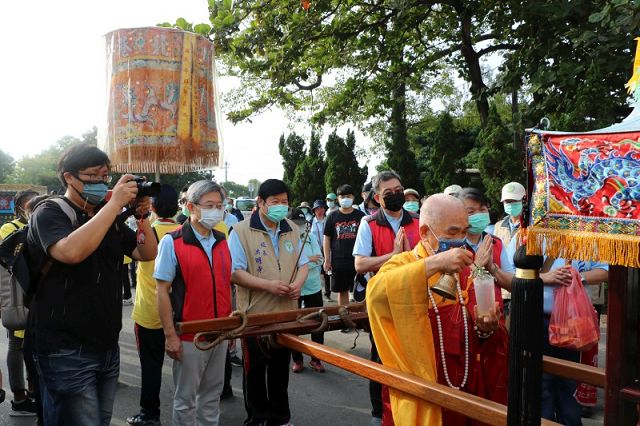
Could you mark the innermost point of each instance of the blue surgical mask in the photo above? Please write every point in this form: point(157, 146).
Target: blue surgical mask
point(478, 222)
point(277, 213)
point(210, 217)
point(331, 204)
point(346, 202)
point(411, 206)
point(445, 244)
point(94, 193)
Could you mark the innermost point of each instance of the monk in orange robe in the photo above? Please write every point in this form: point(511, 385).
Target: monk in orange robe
point(404, 314)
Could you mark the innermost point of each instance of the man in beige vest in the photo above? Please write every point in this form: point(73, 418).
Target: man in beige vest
point(269, 275)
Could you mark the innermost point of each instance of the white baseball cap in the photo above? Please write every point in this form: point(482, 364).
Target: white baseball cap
point(452, 189)
point(513, 191)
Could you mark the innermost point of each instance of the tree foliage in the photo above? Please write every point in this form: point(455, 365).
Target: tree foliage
point(235, 190)
point(292, 151)
point(7, 164)
point(497, 161)
point(342, 164)
point(308, 182)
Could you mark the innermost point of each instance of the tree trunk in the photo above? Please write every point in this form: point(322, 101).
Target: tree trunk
point(478, 88)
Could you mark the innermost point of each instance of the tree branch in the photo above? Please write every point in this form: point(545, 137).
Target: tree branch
point(309, 86)
point(495, 47)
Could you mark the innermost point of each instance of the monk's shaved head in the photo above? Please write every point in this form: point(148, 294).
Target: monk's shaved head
point(439, 207)
point(445, 216)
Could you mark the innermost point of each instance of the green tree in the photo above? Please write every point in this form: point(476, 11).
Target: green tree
point(292, 151)
point(308, 182)
point(442, 156)
point(342, 164)
point(235, 189)
point(497, 159)
point(7, 164)
point(253, 185)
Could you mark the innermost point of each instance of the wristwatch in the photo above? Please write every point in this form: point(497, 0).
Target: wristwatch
point(494, 268)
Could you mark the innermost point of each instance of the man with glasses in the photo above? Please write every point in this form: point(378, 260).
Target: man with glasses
point(193, 273)
point(77, 309)
point(264, 251)
point(390, 231)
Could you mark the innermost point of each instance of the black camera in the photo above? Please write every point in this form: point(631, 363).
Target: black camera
point(146, 189)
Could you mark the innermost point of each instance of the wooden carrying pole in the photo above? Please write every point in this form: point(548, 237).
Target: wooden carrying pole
point(477, 408)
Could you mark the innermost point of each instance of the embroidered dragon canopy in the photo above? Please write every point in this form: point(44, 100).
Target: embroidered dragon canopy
point(585, 190)
point(161, 96)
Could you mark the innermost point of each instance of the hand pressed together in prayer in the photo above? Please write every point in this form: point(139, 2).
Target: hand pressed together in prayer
point(488, 323)
point(401, 243)
point(557, 277)
point(484, 255)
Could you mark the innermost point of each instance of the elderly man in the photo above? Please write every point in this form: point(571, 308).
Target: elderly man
point(193, 274)
point(419, 332)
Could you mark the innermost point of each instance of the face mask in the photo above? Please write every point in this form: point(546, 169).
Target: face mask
point(210, 217)
point(185, 211)
point(94, 193)
point(305, 210)
point(445, 244)
point(394, 202)
point(346, 203)
point(277, 213)
point(229, 208)
point(513, 209)
point(478, 221)
point(412, 206)
point(331, 204)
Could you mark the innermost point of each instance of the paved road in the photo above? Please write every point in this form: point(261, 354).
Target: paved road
point(333, 398)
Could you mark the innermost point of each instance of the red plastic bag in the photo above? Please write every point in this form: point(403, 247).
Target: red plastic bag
point(574, 321)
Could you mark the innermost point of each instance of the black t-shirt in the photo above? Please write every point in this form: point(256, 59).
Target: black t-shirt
point(342, 229)
point(77, 305)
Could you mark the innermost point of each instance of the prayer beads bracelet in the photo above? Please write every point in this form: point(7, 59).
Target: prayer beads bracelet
point(482, 334)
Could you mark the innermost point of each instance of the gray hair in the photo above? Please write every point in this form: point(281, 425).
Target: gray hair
point(199, 189)
point(383, 177)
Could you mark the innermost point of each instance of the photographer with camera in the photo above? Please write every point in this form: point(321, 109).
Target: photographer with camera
point(77, 309)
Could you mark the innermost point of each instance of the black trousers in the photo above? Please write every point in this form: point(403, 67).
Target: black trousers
point(324, 278)
point(126, 285)
point(265, 383)
point(151, 352)
point(310, 301)
point(375, 388)
point(32, 372)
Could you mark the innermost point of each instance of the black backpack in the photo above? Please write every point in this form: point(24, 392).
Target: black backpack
point(14, 257)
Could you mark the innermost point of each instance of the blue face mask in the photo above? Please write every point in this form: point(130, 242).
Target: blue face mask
point(94, 193)
point(445, 244)
point(277, 213)
point(411, 206)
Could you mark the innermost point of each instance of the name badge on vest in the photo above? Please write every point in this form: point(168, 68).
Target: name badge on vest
point(288, 246)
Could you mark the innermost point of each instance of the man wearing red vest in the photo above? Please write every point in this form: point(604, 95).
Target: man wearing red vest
point(193, 272)
point(390, 231)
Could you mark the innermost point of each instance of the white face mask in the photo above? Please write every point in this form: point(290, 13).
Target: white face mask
point(210, 217)
point(346, 202)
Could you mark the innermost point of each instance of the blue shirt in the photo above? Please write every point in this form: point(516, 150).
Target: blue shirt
point(312, 284)
point(230, 219)
point(364, 239)
point(317, 229)
point(581, 266)
point(167, 262)
point(239, 257)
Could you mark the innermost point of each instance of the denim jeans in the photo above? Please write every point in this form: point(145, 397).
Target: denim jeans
point(558, 402)
point(80, 386)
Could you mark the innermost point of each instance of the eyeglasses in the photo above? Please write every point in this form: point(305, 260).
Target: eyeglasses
point(397, 190)
point(209, 206)
point(95, 178)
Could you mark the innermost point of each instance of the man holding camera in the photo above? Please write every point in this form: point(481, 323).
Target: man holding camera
point(77, 308)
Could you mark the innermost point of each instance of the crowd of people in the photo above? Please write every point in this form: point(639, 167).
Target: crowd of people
point(190, 256)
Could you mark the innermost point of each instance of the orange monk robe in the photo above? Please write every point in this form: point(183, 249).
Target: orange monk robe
point(398, 306)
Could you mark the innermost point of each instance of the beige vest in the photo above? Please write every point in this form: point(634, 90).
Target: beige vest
point(502, 230)
point(262, 263)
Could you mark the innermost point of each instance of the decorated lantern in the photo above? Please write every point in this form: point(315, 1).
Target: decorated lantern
point(162, 107)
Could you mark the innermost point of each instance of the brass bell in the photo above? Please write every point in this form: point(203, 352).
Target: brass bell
point(446, 286)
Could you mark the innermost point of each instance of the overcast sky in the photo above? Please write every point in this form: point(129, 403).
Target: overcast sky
point(52, 78)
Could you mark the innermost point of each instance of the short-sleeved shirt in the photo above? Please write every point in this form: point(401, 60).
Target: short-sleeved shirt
point(230, 219)
point(364, 241)
point(581, 266)
point(77, 305)
point(342, 229)
point(10, 227)
point(167, 262)
point(505, 264)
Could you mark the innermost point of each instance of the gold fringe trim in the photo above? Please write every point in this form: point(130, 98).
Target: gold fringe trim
point(614, 249)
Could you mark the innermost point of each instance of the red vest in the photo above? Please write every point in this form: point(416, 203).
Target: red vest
point(383, 235)
point(200, 290)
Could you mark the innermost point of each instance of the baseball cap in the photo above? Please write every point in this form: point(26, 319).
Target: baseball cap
point(513, 191)
point(411, 191)
point(452, 189)
point(331, 196)
point(304, 204)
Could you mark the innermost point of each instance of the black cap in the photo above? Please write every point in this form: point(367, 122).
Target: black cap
point(297, 215)
point(367, 187)
point(319, 203)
